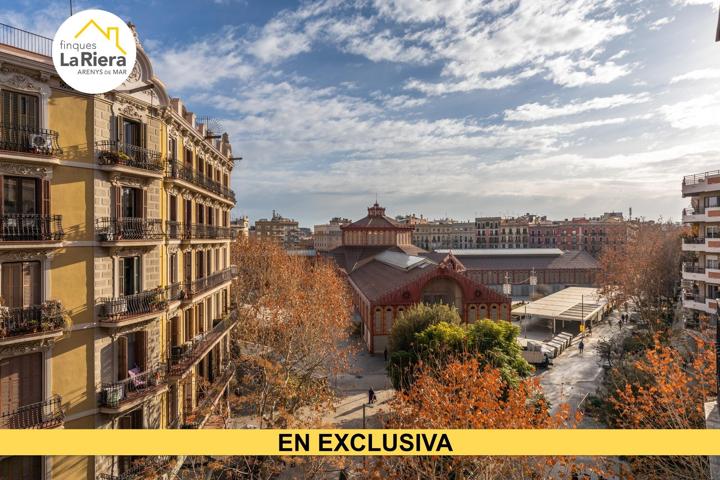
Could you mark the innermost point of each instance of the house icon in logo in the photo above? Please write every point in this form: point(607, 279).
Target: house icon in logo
point(105, 33)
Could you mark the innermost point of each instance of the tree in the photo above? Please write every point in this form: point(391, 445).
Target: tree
point(294, 318)
point(664, 386)
point(644, 272)
point(464, 393)
point(433, 333)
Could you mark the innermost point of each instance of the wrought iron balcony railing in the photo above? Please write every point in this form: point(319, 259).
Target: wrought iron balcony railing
point(123, 307)
point(148, 467)
point(211, 281)
point(184, 356)
point(45, 414)
point(24, 40)
point(111, 152)
point(131, 228)
point(24, 227)
point(208, 398)
point(693, 240)
point(184, 231)
point(35, 319)
point(26, 139)
point(182, 172)
point(176, 291)
point(137, 385)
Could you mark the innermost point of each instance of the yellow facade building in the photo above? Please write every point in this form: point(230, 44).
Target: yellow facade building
point(115, 267)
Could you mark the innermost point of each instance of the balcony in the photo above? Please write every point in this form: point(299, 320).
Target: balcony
point(24, 40)
point(30, 228)
point(129, 309)
point(185, 356)
point(176, 170)
point(135, 230)
point(119, 397)
point(701, 182)
point(209, 398)
point(26, 140)
point(211, 281)
point(115, 154)
point(176, 291)
point(196, 231)
point(148, 467)
point(46, 414)
point(37, 322)
point(693, 271)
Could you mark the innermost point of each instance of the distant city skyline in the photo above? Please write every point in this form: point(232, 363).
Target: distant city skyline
point(462, 108)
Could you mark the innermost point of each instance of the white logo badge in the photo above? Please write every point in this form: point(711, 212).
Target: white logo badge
point(94, 51)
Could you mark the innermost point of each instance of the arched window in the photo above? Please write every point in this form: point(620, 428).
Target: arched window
point(494, 312)
point(388, 319)
point(472, 314)
point(377, 321)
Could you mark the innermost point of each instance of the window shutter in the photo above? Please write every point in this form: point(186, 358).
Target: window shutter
point(12, 284)
point(45, 195)
point(136, 275)
point(2, 195)
point(31, 118)
point(30, 378)
point(121, 276)
point(122, 356)
point(117, 200)
point(143, 203)
point(31, 283)
point(119, 133)
point(143, 135)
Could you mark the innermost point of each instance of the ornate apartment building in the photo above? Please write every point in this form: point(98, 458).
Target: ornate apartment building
point(115, 270)
point(701, 270)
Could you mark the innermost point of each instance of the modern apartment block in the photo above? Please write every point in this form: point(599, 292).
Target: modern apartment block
point(701, 271)
point(115, 270)
point(277, 229)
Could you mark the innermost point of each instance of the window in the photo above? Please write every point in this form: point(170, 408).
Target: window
point(200, 264)
point(131, 202)
point(131, 132)
point(189, 157)
point(172, 148)
point(131, 349)
point(173, 268)
point(20, 195)
point(20, 110)
point(130, 275)
point(21, 284)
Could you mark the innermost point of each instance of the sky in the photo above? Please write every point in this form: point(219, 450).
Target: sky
point(455, 108)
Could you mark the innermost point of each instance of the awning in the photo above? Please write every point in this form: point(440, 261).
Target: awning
point(573, 304)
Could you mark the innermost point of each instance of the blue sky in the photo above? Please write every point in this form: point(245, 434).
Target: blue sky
point(455, 108)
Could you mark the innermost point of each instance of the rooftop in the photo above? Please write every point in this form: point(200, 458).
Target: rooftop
point(503, 252)
point(573, 304)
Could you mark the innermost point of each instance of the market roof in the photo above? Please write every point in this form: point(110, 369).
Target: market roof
point(503, 252)
point(523, 259)
point(573, 304)
point(376, 218)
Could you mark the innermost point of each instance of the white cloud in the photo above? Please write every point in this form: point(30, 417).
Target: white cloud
point(572, 73)
point(202, 64)
point(531, 112)
point(659, 23)
point(703, 74)
point(699, 112)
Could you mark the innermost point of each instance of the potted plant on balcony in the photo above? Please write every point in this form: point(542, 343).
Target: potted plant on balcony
point(108, 157)
point(157, 299)
point(51, 315)
point(4, 316)
point(113, 394)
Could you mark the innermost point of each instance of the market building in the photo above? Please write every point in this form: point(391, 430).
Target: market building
point(387, 274)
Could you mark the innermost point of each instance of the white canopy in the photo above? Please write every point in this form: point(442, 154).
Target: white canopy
point(577, 304)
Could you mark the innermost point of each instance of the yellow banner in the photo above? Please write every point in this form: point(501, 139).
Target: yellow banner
point(360, 442)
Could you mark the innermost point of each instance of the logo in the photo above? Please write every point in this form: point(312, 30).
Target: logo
point(94, 51)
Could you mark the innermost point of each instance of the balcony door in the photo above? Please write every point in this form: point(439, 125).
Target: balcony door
point(20, 110)
point(21, 380)
point(20, 285)
point(131, 349)
point(130, 275)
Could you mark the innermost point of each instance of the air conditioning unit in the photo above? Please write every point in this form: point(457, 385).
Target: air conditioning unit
point(40, 142)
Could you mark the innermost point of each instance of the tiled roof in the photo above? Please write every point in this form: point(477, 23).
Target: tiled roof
point(570, 259)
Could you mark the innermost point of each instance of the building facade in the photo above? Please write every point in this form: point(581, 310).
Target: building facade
point(240, 228)
point(114, 259)
point(445, 233)
point(591, 235)
point(387, 275)
point(701, 269)
point(277, 229)
point(329, 235)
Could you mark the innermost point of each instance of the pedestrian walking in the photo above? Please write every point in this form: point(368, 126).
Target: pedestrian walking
point(372, 398)
point(581, 346)
point(385, 354)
